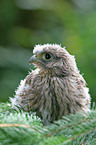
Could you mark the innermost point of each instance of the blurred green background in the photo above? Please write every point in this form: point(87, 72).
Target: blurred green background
point(24, 23)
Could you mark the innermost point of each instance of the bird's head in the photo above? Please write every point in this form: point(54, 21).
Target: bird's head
point(54, 59)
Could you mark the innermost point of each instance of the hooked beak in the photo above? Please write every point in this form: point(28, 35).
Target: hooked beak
point(32, 59)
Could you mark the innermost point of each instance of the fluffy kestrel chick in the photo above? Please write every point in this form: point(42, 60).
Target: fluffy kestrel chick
point(55, 88)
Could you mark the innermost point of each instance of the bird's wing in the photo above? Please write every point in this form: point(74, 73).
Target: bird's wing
point(23, 93)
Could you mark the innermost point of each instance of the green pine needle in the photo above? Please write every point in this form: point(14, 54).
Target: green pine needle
point(27, 129)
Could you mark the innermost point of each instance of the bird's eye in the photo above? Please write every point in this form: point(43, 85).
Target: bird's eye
point(46, 56)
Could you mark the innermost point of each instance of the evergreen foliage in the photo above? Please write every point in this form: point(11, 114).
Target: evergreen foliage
point(22, 128)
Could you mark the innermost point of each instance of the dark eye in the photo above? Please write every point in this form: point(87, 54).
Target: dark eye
point(46, 56)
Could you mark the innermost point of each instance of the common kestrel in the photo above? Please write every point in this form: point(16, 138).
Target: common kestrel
point(55, 88)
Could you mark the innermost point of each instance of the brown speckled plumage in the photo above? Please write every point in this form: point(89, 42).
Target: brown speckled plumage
point(55, 88)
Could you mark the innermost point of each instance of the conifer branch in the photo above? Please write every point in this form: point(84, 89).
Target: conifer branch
point(25, 128)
